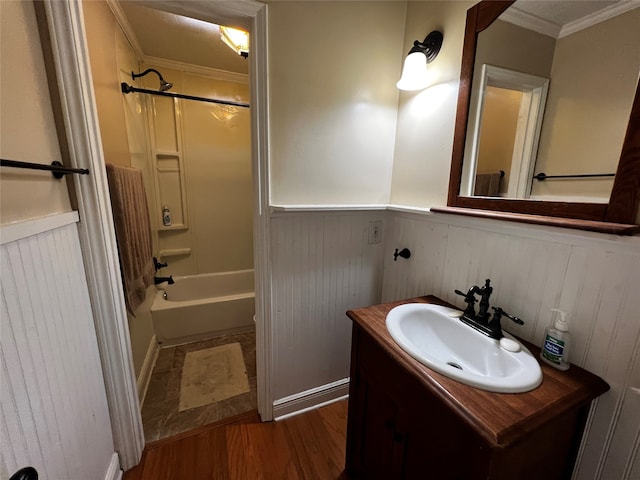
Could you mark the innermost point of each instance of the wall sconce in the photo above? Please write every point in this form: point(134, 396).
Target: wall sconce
point(236, 40)
point(414, 73)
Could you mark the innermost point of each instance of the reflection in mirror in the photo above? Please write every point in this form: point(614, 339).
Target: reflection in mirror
point(620, 214)
point(503, 133)
point(591, 59)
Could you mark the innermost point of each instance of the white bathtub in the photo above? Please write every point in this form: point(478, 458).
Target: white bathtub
point(198, 307)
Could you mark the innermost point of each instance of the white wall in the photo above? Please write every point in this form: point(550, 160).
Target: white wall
point(332, 73)
point(424, 138)
point(28, 131)
point(585, 124)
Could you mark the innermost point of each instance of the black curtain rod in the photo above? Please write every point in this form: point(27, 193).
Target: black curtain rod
point(543, 176)
point(126, 88)
point(56, 168)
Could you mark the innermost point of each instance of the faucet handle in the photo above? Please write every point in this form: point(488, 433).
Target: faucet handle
point(513, 318)
point(500, 313)
point(470, 300)
point(157, 265)
point(469, 297)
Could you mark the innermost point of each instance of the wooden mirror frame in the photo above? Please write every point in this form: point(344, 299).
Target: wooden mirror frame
point(617, 217)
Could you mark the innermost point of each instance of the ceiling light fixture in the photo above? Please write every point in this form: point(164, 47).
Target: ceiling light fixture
point(236, 40)
point(414, 74)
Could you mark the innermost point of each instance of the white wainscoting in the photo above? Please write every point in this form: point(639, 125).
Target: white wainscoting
point(53, 401)
point(596, 278)
point(322, 265)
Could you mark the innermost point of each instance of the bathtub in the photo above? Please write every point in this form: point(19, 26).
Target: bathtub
point(198, 307)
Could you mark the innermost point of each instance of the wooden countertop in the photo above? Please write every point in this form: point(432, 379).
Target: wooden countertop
point(500, 418)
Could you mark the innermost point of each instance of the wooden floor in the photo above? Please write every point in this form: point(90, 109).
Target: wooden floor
point(307, 446)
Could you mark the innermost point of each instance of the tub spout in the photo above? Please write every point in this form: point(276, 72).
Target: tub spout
point(159, 280)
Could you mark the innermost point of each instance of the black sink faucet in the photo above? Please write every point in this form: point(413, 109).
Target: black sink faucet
point(480, 321)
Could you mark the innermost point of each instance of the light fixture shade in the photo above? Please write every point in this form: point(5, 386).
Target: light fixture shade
point(235, 39)
point(414, 74)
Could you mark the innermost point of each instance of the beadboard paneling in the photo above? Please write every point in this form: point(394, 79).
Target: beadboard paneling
point(322, 265)
point(53, 401)
point(594, 280)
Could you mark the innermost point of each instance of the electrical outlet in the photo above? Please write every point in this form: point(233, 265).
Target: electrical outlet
point(375, 232)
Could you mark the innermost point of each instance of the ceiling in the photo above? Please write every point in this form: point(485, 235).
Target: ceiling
point(564, 12)
point(560, 18)
point(182, 39)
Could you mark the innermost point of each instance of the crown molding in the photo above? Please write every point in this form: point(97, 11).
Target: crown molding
point(236, 13)
point(197, 69)
point(600, 16)
point(544, 27)
point(125, 26)
point(530, 22)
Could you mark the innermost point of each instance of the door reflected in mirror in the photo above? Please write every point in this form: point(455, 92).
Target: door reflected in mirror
point(550, 96)
point(504, 133)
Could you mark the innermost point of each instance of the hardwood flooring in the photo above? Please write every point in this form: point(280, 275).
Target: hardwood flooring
point(307, 446)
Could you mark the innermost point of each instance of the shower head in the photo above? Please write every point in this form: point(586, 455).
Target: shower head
point(164, 85)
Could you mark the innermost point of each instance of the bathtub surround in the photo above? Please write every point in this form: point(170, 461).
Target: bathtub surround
point(200, 168)
point(160, 412)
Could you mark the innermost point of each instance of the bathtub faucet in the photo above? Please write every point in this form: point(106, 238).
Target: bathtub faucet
point(157, 265)
point(159, 280)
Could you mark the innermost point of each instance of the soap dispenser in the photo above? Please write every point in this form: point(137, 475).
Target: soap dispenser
point(555, 349)
point(166, 216)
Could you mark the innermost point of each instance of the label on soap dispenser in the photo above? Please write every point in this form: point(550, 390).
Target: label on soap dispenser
point(553, 349)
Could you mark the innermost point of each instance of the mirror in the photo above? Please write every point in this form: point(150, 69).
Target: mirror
point(495, 77)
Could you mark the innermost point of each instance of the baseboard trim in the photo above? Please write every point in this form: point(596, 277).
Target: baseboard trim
point(147, 369)
point(113, 471)
point(310, 399)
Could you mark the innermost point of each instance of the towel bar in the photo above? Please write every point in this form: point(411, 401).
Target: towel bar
point(56, 168)
point(543, 176)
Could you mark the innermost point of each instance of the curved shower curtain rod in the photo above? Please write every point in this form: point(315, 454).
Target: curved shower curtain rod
point(126, 88)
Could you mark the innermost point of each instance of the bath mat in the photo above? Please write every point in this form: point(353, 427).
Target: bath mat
point(212, 375)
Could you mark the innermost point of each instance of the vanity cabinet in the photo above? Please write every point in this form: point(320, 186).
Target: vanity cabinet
point(407, 421)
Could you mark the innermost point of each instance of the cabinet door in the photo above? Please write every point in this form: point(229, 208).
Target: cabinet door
point(377, 446)
point(398, 430)
point(437, 445)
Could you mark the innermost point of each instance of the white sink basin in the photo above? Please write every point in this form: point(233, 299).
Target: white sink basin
point(436, 337)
